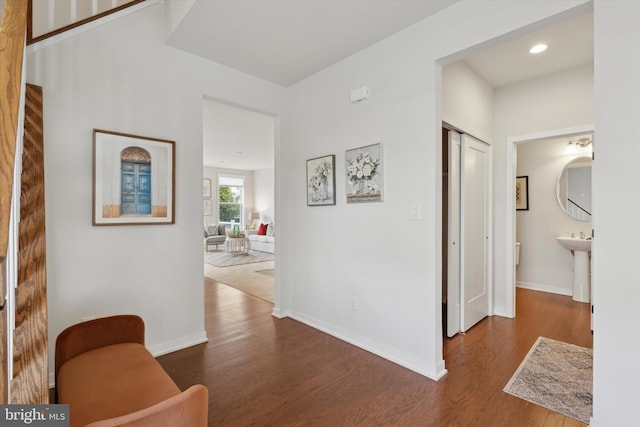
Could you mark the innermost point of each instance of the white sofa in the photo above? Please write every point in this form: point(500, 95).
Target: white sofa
point(263, 243)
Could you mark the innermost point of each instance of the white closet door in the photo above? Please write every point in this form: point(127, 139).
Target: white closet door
point(474, 231)
point(453, 250)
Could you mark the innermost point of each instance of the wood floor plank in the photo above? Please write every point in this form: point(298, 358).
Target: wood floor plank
point(554, 420)
point(266, 371)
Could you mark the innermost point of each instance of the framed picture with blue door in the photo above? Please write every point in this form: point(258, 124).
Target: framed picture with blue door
point(133, 179)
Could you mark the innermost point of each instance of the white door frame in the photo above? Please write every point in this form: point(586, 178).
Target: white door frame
point(510, 182)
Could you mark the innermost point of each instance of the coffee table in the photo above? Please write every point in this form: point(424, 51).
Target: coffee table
point(237, 244)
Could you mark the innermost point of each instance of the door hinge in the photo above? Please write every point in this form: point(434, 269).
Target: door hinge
point(592, 309)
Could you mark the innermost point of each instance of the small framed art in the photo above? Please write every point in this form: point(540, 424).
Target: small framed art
point(321, 181)
point(364, 174)
point(207, 207)
point(522, 193)
point(206, 188)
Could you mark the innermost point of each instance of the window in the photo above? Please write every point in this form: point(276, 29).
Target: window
point(230, 200)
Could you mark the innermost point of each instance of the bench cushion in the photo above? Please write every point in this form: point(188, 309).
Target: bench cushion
point(112, 381)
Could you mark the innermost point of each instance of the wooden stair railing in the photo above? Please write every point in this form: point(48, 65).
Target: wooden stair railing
point(30, 382)
point(12, 44)
point(65, 15)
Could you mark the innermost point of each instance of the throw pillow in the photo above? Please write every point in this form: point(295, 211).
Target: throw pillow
point(210, 230)
point(271, 230)
point(262, 230)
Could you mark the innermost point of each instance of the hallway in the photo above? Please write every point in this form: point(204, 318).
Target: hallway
point(264, 371)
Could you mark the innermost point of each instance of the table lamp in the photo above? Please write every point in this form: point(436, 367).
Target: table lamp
point(255, 216)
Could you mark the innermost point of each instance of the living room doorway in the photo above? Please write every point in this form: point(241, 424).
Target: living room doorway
point(239, 144)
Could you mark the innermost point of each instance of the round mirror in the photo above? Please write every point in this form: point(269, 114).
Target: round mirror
point(574, 189)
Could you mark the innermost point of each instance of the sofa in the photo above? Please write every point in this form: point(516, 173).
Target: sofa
point(214, 235)
point(263, 239)
point(106, 375)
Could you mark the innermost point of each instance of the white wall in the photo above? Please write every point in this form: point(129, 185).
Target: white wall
point(555, 102)
point(264, 195)
point(617, 229)
point(176, 10)
point(120, 76)
point(467, 101)
point(374, 253)
point(249, 190)
point(544, 264)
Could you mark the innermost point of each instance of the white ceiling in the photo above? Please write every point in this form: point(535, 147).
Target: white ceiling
point(570, 45)
point(234, 138)
point(286, 41)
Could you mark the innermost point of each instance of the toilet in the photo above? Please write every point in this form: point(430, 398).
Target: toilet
point(517, 253)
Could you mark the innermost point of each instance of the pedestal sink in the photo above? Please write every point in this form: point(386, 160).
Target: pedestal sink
point(580, 248)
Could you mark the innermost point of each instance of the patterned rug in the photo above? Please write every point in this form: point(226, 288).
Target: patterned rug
point(223, 259)
point(558, 376)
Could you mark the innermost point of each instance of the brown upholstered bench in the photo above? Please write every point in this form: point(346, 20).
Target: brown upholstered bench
point(108, 378)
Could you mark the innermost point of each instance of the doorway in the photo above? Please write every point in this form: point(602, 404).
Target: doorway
point(466, 248)
point(476, 96)
point(511, 223)
point(239, 149)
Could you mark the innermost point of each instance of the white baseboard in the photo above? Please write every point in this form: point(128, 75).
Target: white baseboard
point(544, 288)
point(278, 313)
point(179, 344)
point(438, 372)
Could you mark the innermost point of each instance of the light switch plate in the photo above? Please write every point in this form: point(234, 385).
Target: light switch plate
point(416, 212)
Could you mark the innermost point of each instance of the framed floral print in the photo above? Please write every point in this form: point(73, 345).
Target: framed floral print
point(364, 174)
point(321, 181)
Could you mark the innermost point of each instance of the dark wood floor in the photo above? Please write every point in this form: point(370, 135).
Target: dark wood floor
point(265, 371)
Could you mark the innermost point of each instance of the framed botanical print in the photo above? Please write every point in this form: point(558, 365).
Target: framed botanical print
point(321, 181)
point(364, 174)
point(206, 188)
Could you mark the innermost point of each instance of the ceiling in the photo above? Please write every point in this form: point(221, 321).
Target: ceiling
point(286, 41)
point(570, 45)
point(234, 138)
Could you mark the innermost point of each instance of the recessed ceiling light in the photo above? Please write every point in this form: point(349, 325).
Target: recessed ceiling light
point(538, 48)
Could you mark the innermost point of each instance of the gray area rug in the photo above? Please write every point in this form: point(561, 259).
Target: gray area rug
point(223, 259)
point(558, 376)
